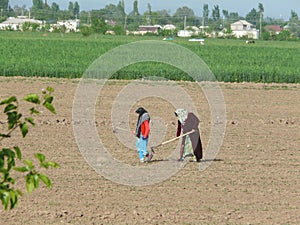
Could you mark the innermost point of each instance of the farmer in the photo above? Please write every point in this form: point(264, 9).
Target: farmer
point(191, 145)
point(142, 134)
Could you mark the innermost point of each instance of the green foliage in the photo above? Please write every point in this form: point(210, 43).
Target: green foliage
point(98, 25)
point(86, 30)
point(283, 35)
point(11, 155)
point(66, 57)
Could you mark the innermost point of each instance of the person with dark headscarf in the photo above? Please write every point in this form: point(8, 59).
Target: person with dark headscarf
point(142, 134)
point(191, 145)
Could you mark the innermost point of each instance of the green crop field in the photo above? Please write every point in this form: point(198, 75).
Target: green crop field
point(69, 55)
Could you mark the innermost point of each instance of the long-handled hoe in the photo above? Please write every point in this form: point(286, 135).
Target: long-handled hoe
point(174, 139)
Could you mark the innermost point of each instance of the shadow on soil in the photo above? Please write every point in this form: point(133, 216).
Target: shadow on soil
point(204, 160)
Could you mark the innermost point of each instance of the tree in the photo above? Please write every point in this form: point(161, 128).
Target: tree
point(76, 9)
point(134, 17)
point(98, 25)
point(183, 13)
point(226, 17)
point(161, 17)
point(71, 9)
point(4, 5)
point(260, 11)
point(55, 7)
point(252, 16)
point(294, 16)
point(121, 9)
point(294, 24)
point(205, 14)
point(233, 16)
point(135, 8)
point(216, 13)
point(217, 23)
point(10, 156)
point(147, 15)
point(37, 4)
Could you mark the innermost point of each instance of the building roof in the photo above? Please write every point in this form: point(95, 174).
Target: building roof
point(169, 27)
point(244, 22)
point(20, 20)
point(276, 28)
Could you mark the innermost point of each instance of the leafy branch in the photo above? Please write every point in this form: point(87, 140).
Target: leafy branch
point(9, 156)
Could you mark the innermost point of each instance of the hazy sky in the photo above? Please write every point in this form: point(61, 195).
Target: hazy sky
point(273, 8)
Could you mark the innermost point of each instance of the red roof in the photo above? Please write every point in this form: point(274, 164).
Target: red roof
point(276, 28)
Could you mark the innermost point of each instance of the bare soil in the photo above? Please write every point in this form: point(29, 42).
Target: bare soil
point(253, 180)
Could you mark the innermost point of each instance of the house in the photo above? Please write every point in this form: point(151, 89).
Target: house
point(189, 32)
point(185, 33)
point(273, 29)
point(195, 29)
point(16, 23)
point(70, 25)
point(243, 28)
point(149, 29)
point(169, 27)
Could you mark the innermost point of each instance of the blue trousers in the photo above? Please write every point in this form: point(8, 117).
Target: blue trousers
point(141, 147)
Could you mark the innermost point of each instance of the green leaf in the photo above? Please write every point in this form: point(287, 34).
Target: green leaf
point(50, 107)
point(48, 98)
point(46, 180)
point(22, 169)
point(24, 129)
point(13, 199)
point(50, 89)
point(34, 111)
point(1, 163)
point(29, 164)
point(12, 118)
point(8, 100)
point(52, 164)
point(5, 199)
point(29, 183)
point(30, 120)
point(18, 151)
point(10, 157)
point(40, 157)
point(20, 193)
point(36, 180)
point(11, 180)
point(33, 98)
point(9, 107)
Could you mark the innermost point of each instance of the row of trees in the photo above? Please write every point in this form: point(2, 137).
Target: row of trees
point(115, 15)
point(40, 10)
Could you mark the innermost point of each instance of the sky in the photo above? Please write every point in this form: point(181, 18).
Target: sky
point(272, 8)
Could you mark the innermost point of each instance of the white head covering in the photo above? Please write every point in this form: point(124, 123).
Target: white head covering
point(182, 115)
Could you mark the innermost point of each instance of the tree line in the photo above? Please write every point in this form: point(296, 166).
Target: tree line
point(114, 15)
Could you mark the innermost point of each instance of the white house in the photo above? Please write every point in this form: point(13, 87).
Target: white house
point(243, 28)
point(185, 33)
point(13, 23)
point(70, 25)
point(143, 29)
point(169, 27)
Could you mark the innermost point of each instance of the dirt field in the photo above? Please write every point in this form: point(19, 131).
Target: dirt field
point(253, 180)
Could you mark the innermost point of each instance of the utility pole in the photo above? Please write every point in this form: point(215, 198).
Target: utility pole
point(260, 25)
point(89, 19)
point(202, 23)
point(184, 24)
point(125, 23)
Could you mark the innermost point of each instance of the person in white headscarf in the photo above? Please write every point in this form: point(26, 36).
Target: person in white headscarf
point(191, 145)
